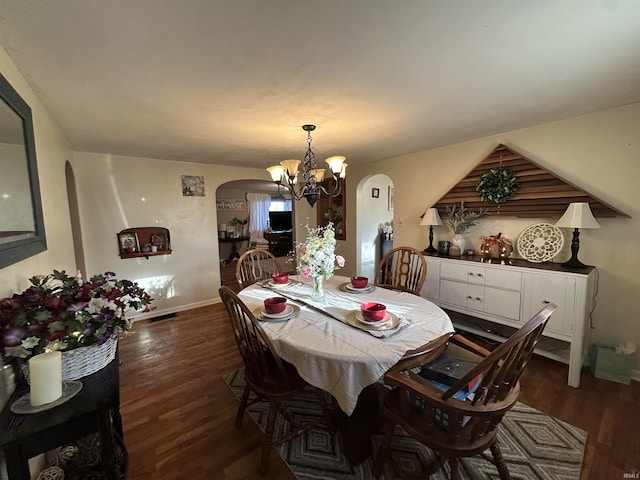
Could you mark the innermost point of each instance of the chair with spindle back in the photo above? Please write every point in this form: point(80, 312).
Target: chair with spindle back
point(255, 265)
point(472, 424)
point(403, 269)
point(266, 375)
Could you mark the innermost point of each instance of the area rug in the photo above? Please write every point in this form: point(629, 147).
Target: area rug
point(535, 446)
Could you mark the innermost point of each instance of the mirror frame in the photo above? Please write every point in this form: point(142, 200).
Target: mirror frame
point(13, 252)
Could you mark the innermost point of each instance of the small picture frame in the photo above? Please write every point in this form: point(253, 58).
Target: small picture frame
point(391, 193)
point(375, 193)
point(128, 242)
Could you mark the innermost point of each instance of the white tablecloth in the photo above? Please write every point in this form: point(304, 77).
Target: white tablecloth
point(335, 356)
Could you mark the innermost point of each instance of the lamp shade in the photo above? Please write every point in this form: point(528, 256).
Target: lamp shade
point(578, 215)
point(431, 217)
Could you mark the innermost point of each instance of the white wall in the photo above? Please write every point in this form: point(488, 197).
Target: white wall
point(52, 150)
point(599, 153)
point(116, 192)
point(370, 214)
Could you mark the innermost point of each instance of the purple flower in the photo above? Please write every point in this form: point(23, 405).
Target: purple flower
point(12, 337)
point(77, 307)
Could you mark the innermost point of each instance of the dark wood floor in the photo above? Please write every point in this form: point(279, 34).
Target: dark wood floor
point(178, 413)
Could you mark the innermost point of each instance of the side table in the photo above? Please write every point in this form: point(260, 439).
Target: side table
point(96, 408)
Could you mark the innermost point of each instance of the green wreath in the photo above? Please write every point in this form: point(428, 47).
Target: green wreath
point(497, 185)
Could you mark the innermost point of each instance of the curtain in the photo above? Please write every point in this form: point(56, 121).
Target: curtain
point(258, 215)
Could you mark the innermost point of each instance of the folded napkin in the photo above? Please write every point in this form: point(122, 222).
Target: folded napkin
point(402, 323)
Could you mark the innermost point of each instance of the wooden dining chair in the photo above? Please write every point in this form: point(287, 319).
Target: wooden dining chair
point(255, 265)
point(403, 269)
point(471, 426)
point(269, 377)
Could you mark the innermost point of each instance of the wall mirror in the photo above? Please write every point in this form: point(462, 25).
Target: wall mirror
point(21, 223)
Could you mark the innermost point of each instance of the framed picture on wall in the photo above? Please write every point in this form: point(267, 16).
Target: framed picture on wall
point(390, 198)
point(128, 242)
point(375, 193)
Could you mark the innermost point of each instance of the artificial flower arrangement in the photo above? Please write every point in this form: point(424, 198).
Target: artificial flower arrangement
point(59, 312)
point(317, 253)
point(459, 220)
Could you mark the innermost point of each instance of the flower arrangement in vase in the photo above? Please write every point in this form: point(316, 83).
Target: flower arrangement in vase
point(461, 219)
point(317, 257)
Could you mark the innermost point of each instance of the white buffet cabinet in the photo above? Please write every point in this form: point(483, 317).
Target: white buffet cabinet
point(506, 296)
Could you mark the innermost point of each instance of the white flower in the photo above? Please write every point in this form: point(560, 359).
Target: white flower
point(30, 342)
point(96, 305)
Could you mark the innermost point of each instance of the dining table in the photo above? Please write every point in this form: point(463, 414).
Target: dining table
point(332, 347)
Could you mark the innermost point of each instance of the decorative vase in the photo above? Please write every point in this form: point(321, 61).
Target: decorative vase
point(459, 241)
point(317, 295)
point(443, 247)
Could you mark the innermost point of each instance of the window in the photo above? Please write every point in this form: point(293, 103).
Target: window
point(280, 205)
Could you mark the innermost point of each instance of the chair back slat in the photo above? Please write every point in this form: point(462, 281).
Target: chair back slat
point(256, 265)
point(403, 269)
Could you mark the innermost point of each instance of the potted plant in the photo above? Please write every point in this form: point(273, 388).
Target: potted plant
point(460, 220)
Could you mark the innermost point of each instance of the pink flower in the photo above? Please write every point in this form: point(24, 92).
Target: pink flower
point(303, 249)
point(305, 271)
point(340, 260)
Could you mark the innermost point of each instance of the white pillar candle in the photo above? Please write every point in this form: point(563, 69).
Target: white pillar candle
point(45, 377)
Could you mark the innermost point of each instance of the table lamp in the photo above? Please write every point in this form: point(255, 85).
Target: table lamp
point(577, 216)
point(431, 218)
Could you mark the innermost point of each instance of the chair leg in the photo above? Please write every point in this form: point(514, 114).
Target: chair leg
point(243, 405)
point(325, 410)
point(267, 442)
point(501, 465)
point(455, 472)
point(383, 452)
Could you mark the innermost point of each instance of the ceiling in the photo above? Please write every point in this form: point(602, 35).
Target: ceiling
point(232, 81)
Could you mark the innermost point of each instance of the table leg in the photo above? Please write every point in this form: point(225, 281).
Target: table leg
point(108, 448)
point(360, 426)
point(17, 464)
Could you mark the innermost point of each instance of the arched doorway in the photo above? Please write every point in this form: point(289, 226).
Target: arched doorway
point(76, 232)
point(374, 208)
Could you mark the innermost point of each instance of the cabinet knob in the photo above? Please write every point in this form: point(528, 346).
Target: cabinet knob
point(546, 302)
point(470, 297)
point(478, 298)
point(479, 274)
point(471, 274)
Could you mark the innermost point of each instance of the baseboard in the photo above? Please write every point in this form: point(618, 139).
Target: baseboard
point(181, 308)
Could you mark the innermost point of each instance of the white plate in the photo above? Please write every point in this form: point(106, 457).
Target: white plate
point(347, 287)
point(288, 310)
point(291, 311)
point(272, 284)
point(540, 242)
point(351, 319)
point(361, 319)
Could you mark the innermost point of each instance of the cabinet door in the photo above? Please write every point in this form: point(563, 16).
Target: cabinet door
point(504, 303)
point(543, 289)
point(452, 292)
point(431, 287)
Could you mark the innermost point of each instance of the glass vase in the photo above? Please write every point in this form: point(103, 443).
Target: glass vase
point(317, 294)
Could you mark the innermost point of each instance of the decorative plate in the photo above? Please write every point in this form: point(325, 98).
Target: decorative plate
point(540, 242)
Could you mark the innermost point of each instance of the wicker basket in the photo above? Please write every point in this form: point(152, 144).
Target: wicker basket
point(84, 361)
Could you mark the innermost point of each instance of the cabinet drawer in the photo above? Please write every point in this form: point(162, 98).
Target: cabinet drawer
point(454, 271)
point(454, 293)
point(508, 279)
point(544, 289)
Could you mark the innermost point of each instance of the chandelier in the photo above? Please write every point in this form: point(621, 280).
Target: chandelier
point(308, 183)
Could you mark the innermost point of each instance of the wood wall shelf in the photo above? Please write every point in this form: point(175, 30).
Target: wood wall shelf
point(541, 193)
point(132, 242)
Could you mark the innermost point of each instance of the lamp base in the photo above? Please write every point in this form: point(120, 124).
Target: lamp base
point(430, 249)
point(574, 263)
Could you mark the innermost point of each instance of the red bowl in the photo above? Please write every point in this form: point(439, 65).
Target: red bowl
point(359, 282)
point(373, 311)
point(275, 304)
point(280, 277)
